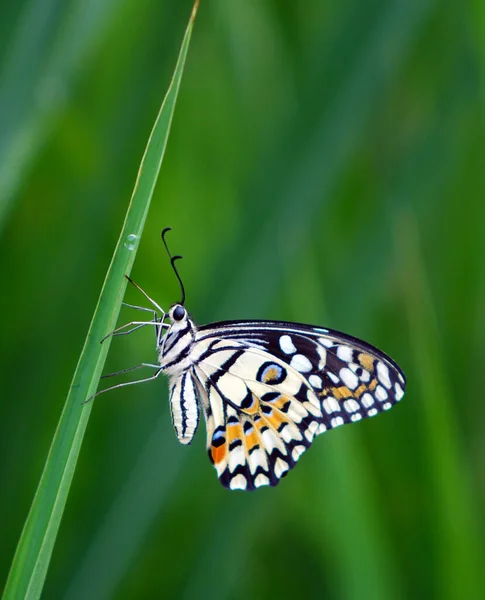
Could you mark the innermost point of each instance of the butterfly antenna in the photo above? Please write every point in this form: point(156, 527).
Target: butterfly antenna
point(172, 262)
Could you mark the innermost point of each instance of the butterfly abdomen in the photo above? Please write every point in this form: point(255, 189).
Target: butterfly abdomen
point(175, 360)
point(184, 407)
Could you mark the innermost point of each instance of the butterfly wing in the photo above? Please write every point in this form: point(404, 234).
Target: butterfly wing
point(269, 388)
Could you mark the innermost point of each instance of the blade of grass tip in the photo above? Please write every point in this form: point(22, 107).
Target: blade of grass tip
point(459, 552)
point(31, 561)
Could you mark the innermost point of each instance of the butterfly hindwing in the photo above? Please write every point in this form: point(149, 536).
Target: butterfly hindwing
point(261, 415)
point(269, 387)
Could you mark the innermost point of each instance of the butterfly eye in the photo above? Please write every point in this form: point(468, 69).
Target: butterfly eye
point(178, 313)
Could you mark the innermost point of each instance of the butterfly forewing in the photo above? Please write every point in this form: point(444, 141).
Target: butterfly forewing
point(269, 387)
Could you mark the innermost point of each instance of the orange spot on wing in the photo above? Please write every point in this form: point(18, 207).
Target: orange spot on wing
point(373, 385)
point(275, 419)
point(218, 454)
point(234, 432)
point(259, 424)
point(360, 390)
point(271, 374)
point(251, 439)
point(341, 392)
point(367, 361)
point(279, 402)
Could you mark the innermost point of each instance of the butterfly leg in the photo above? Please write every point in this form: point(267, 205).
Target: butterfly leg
point(126, 383)
point(150, 310)
point(137, 324)
point(123, 371)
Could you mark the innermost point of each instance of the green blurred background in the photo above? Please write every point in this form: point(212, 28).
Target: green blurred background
point(326, 165)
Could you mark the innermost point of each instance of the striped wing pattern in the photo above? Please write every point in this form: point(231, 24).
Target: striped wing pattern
point(269, 387)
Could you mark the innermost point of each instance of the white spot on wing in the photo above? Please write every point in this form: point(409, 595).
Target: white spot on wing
point(333, 377)
point(309, 435)
point(344, 353)
point(381, 393)
point(236, 457)
point(287, 434)
point(287, 345)
point(399, 392)
point(261, 480)
point(356, 417)
point(383, 374)
point(367, 400)
point(350, 379)
point(271, 440)
point(301, 363)
point(337, 421)
point(256, 459)
point(387, 406)
point(322, 354)
point(331, 405)
point(351, 406)
point(297, 452)
point(311, 430)
point(220, 468)
point(238, 483)
point(313, 426)
point(280, 467)
point(313, 404)
point(321, 428)
point(372, 412)
point(316, 381)
point(297, 412)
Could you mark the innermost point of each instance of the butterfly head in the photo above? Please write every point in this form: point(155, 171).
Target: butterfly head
point(180, 320)
point(177, 313)
point(178, 341)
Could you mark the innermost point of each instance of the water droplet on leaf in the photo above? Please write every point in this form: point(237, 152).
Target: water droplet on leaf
point(131, 241)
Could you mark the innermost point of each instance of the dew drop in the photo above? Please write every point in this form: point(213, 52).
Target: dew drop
point(131, 241)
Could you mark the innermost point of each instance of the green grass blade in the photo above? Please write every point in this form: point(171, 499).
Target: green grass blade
point(31, 561)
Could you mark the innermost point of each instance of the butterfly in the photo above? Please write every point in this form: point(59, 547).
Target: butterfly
point(266, 388)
